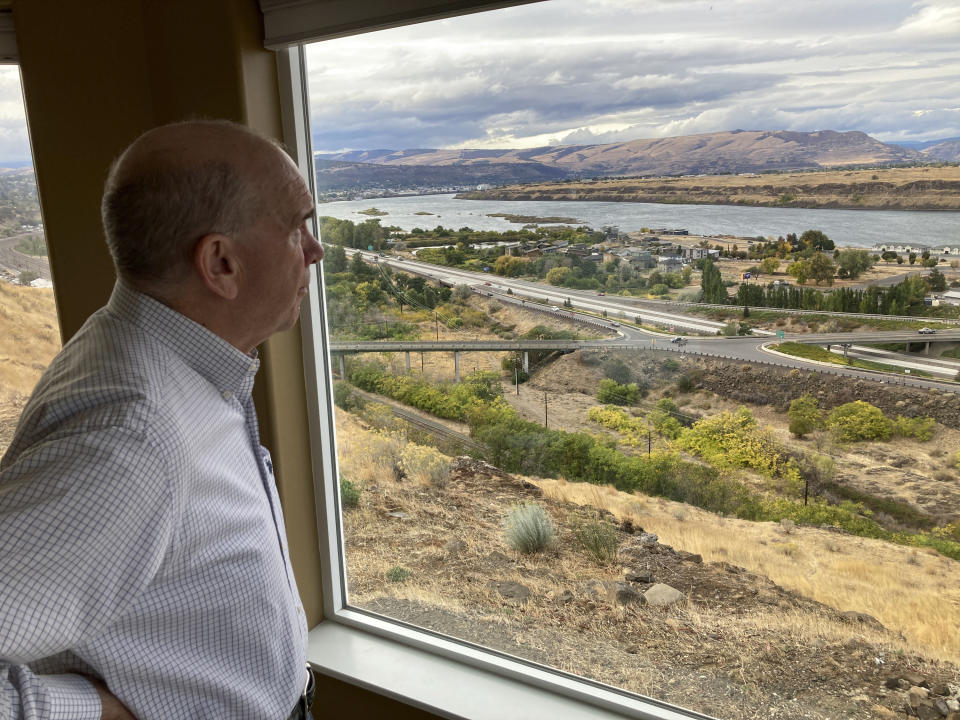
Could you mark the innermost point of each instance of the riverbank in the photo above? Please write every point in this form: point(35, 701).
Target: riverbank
point(914, 188)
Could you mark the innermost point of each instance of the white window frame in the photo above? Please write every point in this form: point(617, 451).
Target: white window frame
point(445, 676)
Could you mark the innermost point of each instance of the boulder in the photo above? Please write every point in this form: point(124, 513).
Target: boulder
point(661, 595)
point(511, 591)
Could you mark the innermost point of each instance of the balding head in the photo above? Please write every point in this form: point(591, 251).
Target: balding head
point(177, 183)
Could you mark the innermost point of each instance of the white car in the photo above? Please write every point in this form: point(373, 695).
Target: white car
point(927, 331)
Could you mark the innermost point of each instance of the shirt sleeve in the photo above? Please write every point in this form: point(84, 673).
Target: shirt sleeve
point(85, 521)
point(25, 696)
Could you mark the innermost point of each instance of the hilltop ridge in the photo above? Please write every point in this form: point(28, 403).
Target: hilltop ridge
point(731, 152)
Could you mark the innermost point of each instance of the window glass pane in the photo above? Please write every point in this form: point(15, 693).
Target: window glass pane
point(540, 455)
point(29, 333)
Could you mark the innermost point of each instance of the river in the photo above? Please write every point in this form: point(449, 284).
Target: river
point(855, 228)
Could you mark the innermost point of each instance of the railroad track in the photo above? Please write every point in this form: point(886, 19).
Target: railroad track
point(434, 428)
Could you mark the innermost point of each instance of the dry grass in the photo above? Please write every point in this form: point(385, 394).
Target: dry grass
point(735, 648)
point(916, 593)
point(29, 338)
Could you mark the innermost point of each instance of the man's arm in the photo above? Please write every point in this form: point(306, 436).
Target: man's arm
point(85, 521)
point(25, 696)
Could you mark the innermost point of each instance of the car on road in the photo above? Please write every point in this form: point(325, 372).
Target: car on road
point(601, 293)
point(487, 283)
point(555, 308)
point(678, 341)
point(927, 331)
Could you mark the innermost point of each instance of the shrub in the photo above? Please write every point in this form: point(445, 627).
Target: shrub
point(398, 574)
point(598, 538)
point(664, 419)
point(670, 365)
point(528, 528)
point(349, 493)
point(858, 420)
point(345, 398)
point(735, 439)
point(805, 415)
point(920, 428)
point(610, 391)
point(685, 384)
point(616, 369)
point(425, 464)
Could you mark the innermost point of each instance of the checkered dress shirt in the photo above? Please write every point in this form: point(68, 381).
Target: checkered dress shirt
point(141, 537)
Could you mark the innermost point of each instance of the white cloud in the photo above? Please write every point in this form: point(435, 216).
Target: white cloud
point(566, 71)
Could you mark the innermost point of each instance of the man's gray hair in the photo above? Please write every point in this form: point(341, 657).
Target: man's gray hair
point(154, 219)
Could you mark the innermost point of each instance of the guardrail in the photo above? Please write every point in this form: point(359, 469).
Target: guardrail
point(888, 378)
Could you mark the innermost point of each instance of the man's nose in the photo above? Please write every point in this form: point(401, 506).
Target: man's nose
point(314, 250)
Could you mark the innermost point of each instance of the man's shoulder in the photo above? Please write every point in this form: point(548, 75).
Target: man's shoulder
point(112, 373)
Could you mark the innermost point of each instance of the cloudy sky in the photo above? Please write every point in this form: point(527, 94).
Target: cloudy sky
point(596, 71)
point(14, 143)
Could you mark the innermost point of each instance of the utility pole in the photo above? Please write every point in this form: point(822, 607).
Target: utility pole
point(545, 426)
point(516, 375)
point(436, 321)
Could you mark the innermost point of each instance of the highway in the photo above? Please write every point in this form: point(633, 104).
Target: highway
point(16, 261)
point(753, 348)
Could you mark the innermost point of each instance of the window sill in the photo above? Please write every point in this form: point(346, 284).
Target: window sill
point(444, 678)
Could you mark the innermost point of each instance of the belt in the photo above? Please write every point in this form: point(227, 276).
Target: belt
point(302, 708)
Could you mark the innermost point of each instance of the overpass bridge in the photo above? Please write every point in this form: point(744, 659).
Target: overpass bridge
point(909, 337)
point(340, 349)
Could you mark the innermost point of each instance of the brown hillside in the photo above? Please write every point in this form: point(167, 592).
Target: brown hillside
point(722, 152)
point(29, 338)
point(918, 188)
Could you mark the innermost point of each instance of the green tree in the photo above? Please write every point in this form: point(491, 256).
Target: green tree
point(335, 260)
point(805, 415)
point(558, 275)
point(816, 240)
point(712, 284)
point(852, 262)
point(800, 269)
point(936, 281)
point(359, 268)
point(770, 265)
point(822, 268)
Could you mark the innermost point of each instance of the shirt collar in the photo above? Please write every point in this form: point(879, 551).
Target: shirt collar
point(228, 369)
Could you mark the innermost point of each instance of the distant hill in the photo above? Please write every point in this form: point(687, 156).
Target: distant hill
point(736, 151)
point(335, 176)
point(946, 150)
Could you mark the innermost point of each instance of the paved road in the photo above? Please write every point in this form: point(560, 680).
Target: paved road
point(750, 348)
point(17, 261)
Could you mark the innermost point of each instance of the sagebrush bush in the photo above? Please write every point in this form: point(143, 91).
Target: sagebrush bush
point(598, 538)
point(398, 574)
point(349, 493)
point(425, 464)
point(528, 528)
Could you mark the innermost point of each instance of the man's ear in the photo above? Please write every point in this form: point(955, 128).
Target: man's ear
point(216, 260)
